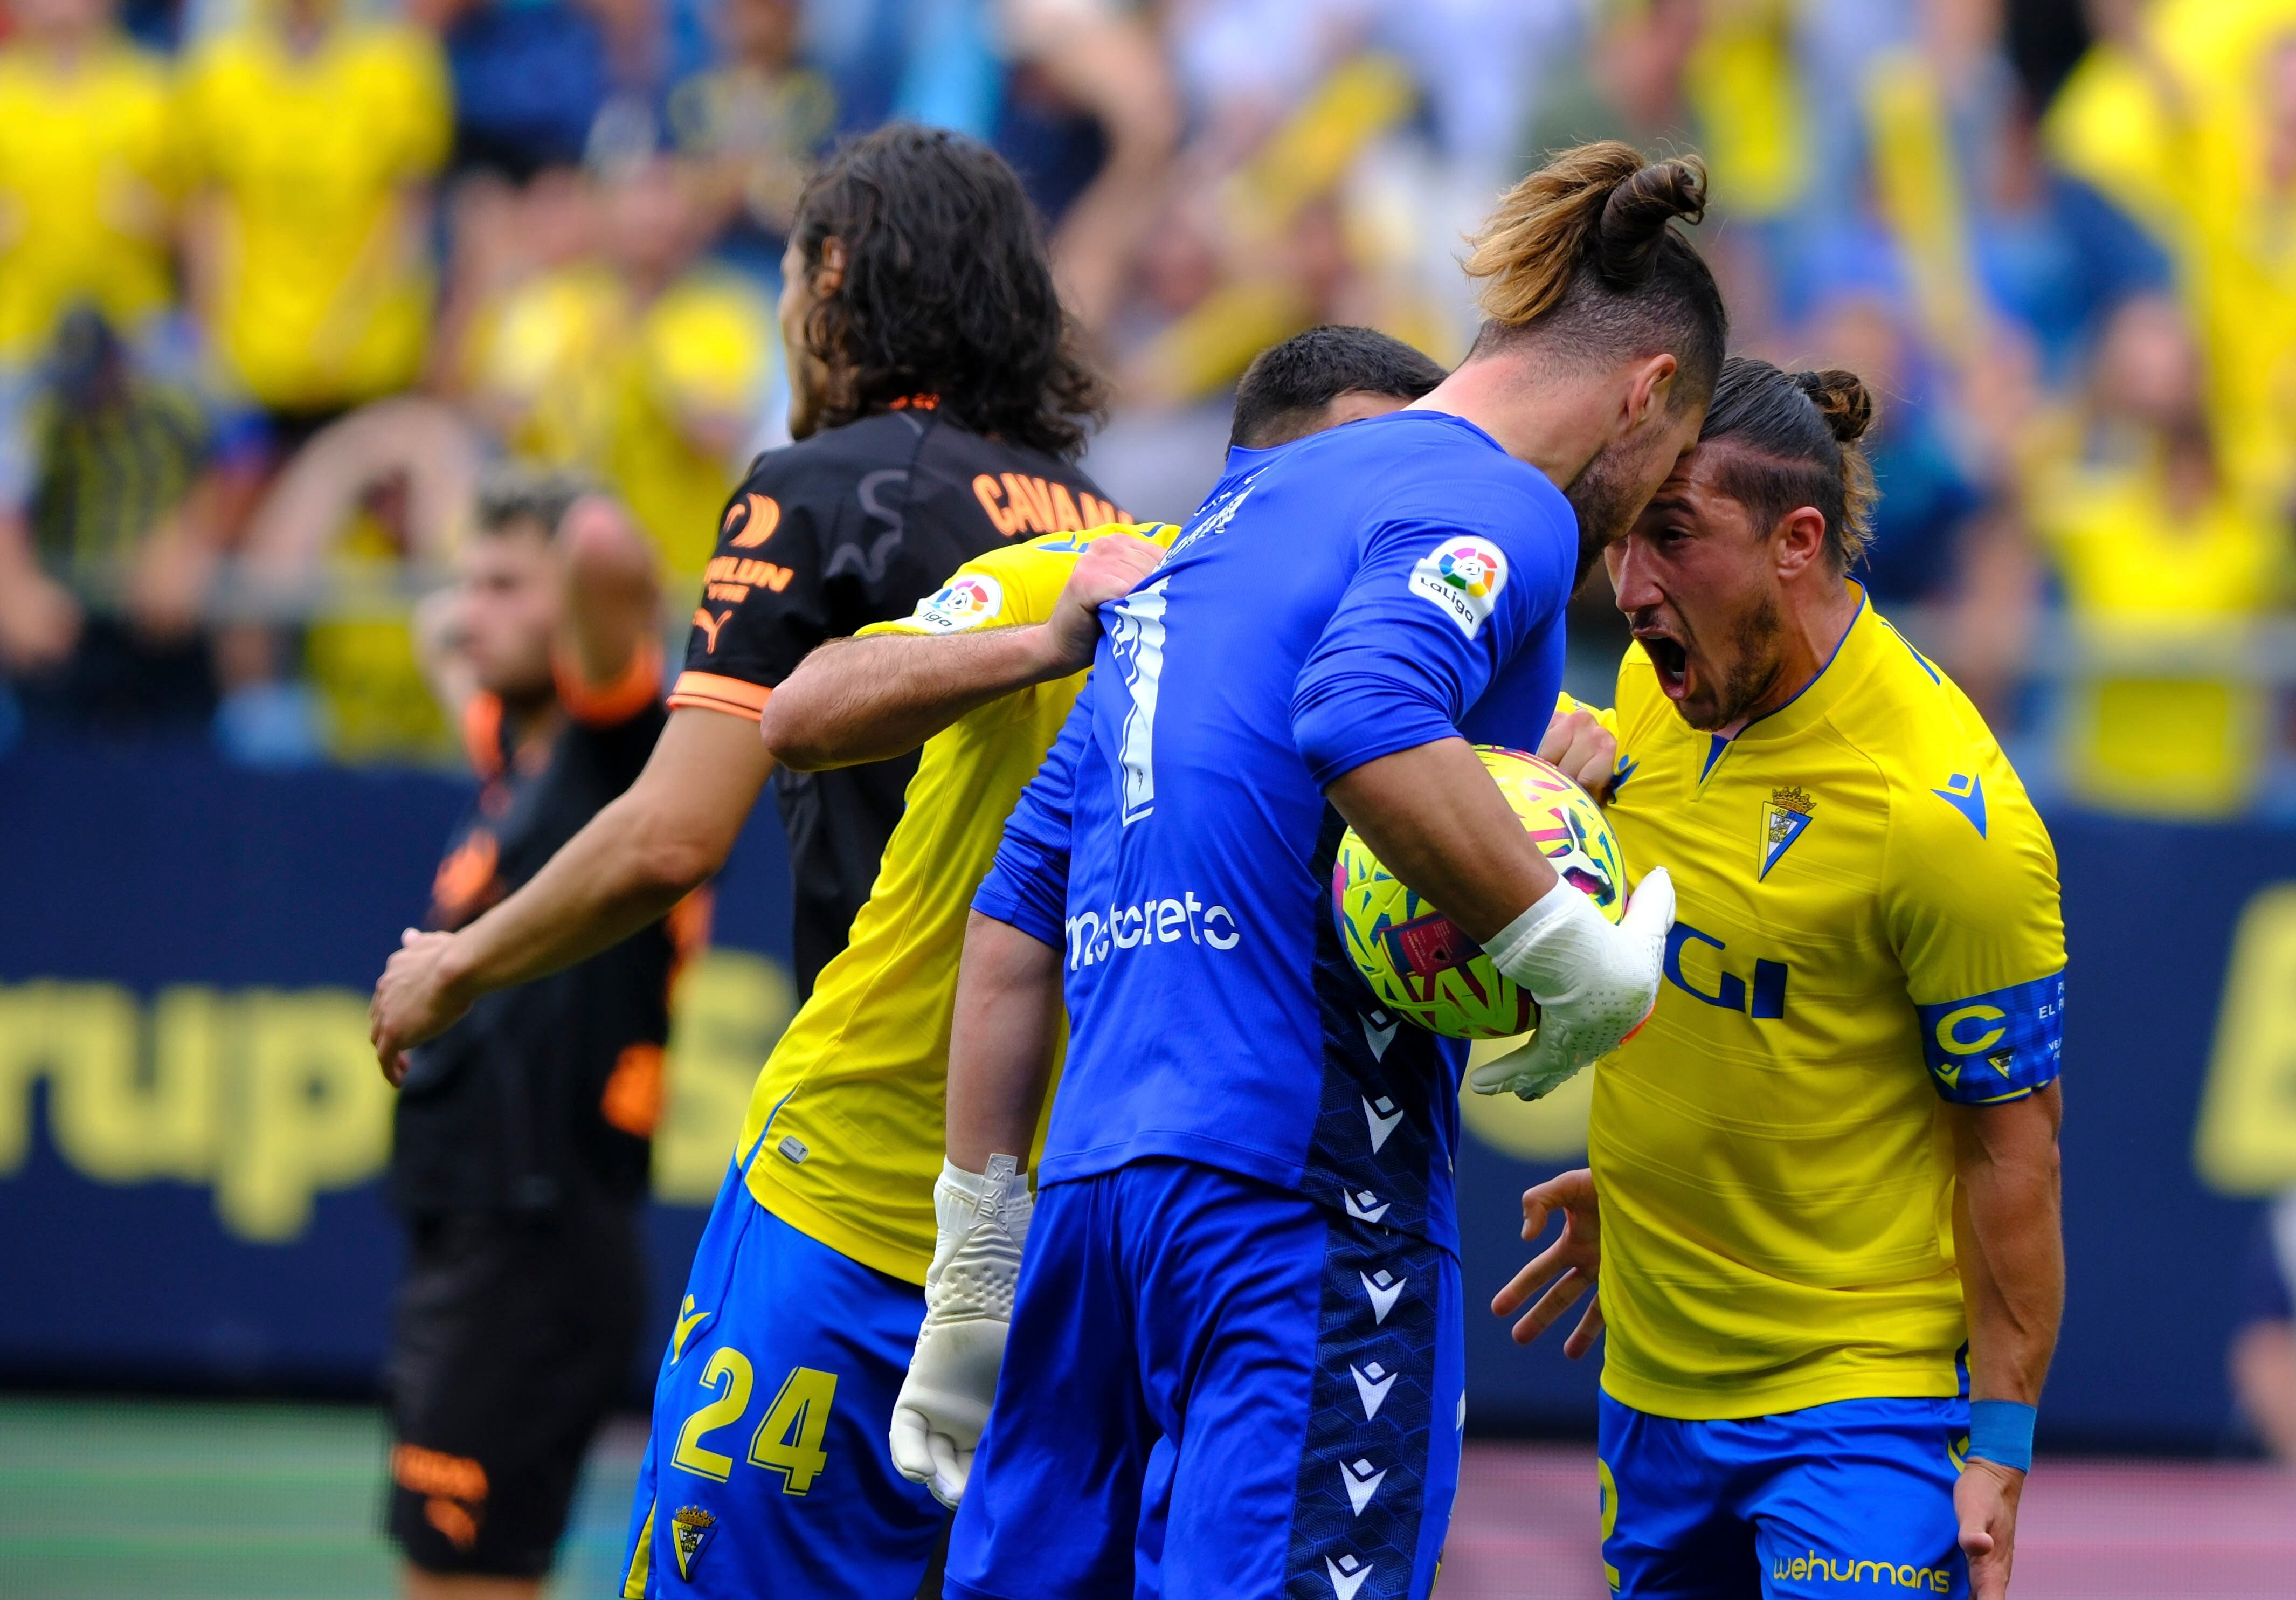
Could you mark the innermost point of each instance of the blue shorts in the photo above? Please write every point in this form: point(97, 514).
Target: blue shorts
point(768, 1470)
point(1851, 1498)
point(1215, 1387)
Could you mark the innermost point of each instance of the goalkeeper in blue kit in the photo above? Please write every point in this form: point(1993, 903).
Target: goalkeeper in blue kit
point(1234, 1357)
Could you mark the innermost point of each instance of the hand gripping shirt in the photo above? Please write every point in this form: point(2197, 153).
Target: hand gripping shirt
point(851, 1100)
point(1867, 928)
point(1369, 590)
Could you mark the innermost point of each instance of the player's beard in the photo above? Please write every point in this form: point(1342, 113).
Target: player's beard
point(1603, 496)
point(1754, 663)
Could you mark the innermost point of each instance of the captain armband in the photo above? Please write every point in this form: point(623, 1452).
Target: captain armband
point(2001, 1044)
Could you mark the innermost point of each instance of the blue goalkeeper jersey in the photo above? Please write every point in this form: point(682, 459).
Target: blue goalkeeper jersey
point(1369, 590)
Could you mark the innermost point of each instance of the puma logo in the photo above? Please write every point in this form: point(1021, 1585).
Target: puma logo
point(709, 625)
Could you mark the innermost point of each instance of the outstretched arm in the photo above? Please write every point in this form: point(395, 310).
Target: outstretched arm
point(637, 859)
point(870, 699)
point(2009, 1240)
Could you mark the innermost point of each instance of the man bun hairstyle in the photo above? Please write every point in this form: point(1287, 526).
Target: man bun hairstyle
point(947, 292)
point(1792, 440)
point(1584, 255)
point(1283, 391)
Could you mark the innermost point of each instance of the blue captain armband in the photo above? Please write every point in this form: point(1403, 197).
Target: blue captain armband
point(2002, 1432)
point(1999, 1046)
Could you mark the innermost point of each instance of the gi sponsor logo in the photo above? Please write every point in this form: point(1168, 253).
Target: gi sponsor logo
point(970, 601)
point(1463, 577)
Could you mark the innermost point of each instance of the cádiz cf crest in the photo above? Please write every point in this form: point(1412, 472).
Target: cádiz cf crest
point(689, 1530)
point(1785, 816)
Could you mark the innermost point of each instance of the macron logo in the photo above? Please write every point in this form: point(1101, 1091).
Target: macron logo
point(1371, 1385)
point(1382, 1116)
point(1347, 1575)
point(1378, 1037)
point(1361, 1482)
point(1364, 1206)
point(1383, 1286)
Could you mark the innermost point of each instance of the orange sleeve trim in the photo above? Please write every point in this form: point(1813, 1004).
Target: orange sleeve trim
point(482, 718)
point(601, 705)
point(712, 692)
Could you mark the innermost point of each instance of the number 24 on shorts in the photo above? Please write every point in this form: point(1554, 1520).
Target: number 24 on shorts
point(788, 1441)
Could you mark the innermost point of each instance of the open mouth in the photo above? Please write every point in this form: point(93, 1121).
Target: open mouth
point(1671, 660)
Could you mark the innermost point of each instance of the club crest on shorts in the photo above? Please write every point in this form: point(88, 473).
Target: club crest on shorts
point(1463, 577)
point(1785, 816)
point(690, 1529)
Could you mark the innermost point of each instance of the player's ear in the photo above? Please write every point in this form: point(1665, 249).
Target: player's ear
point(1650, 388)
point(829, 272)
point(1799, 541)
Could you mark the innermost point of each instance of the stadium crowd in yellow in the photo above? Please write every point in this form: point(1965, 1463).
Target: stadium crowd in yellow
point(297, 214)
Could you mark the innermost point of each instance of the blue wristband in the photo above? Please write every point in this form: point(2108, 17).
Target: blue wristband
point(2002, 1432)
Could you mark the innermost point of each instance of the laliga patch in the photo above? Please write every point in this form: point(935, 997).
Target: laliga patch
point(689, 1531)
point(968, 602)
point(1463, 577)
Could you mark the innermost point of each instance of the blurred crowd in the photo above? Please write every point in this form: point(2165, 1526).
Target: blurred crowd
point(278, 278)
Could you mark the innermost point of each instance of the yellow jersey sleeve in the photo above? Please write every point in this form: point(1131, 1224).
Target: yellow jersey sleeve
point(1970, 904)
point(1011, 586)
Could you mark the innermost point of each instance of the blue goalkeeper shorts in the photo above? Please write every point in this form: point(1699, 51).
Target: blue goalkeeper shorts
point(1215, 1387)
point(768, 1470)
point(1829, 1503)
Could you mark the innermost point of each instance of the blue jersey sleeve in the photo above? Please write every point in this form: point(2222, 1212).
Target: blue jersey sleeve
point(1438, 607)
point(1028, 884)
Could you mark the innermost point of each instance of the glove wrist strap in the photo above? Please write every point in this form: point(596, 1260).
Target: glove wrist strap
point(1514, 949)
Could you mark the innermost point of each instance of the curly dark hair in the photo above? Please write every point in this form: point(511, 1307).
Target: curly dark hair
point(947, 292)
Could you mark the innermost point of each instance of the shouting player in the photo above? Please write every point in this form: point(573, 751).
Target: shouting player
point(808, 1280)
point(519, 1151)
point(1827, 1167)
point(1235, 1359)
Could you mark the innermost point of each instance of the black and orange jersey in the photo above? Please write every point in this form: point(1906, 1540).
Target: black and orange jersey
point(547, 1093)
point(853, 526)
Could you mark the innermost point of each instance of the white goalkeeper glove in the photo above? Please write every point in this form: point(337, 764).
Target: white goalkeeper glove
point(944, 1401)
point(1594, 982)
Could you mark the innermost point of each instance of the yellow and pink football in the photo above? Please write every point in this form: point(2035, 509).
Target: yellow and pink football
point(1419, 962)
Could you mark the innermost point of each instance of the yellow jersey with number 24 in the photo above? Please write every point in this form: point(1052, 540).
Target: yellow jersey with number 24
point(1868, 927)
point(851, 1101)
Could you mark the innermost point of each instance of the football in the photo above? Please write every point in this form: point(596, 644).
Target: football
point(1419, 963)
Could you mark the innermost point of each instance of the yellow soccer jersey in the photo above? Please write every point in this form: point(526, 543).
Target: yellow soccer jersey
point(323, 288)
point(89, 182)
point(850, 1102)
point(1868, 925)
